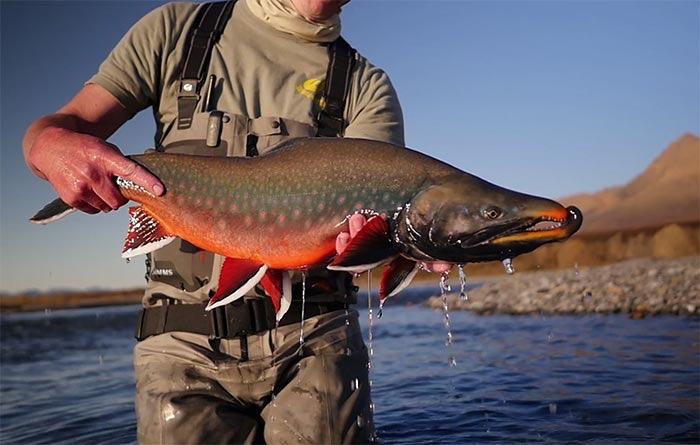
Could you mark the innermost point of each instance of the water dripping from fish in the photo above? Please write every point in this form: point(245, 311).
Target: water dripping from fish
point(462, 283)
point(508, 266)
point(444, 289)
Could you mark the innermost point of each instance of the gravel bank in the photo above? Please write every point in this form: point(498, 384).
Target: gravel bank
point(637, 287)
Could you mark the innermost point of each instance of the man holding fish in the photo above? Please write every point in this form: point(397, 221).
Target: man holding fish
point(257, 343)
point(229, 80)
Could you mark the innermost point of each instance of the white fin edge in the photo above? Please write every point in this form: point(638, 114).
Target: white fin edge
point(361, 267)
point(286, 300)
point(53, 218)
point(148, 247)
point(406, 281)
point(238, 293)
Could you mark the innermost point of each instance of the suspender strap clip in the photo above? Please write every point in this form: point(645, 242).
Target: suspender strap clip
point(209, 24)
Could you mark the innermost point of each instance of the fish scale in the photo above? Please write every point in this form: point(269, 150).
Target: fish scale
point(257, 188)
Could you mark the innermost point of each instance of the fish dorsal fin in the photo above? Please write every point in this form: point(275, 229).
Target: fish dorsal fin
point(397, 276)
point(145, 234)
point(371, 247)
point(278, 286)
point(236, 278)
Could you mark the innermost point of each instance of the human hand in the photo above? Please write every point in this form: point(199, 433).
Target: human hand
point(81, 168)
point(357, 221)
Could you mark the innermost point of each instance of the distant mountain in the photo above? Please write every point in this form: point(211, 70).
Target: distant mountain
point(668, 191)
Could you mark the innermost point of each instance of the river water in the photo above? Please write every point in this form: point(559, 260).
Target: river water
point(66, 378)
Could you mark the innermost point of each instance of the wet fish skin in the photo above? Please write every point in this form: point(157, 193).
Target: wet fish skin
point(284, 210)
point(287, 207)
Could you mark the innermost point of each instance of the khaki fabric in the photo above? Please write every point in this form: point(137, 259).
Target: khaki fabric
point(282, 15)
point(189, 391)
point(261, 71)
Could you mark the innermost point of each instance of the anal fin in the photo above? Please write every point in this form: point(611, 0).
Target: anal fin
point(278, 286)
point(145, 234)
point(237, 277)
point(396, 277)
point(371, 247)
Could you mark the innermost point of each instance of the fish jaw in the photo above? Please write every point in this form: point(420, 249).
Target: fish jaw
point(564, 225)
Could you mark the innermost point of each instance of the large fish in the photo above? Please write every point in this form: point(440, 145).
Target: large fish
point(283, 211)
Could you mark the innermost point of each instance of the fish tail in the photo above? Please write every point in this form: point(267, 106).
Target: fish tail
point(51, 212)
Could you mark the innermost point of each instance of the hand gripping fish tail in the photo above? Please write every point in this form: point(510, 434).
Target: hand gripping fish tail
point(282, 212)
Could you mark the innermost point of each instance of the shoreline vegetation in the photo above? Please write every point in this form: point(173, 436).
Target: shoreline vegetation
point(69, 300)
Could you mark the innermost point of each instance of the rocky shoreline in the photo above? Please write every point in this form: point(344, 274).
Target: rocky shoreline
point(638, 287)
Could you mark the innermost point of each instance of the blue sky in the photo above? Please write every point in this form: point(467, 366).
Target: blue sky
point(550, 98)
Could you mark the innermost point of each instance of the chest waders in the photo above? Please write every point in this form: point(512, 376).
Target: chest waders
point(183, 273)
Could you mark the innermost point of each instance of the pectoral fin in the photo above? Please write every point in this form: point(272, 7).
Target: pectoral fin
point(397, 276)
point(145, 234)
point(236, 279)
point(371, 247)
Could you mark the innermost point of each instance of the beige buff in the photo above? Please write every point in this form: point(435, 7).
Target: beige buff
point(281, 15)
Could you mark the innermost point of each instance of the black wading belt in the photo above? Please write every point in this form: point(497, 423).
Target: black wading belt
point(234, 320)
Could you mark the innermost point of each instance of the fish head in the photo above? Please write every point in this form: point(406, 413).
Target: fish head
point(466, 219)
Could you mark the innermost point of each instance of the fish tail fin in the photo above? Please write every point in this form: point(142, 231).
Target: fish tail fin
point(51, 212)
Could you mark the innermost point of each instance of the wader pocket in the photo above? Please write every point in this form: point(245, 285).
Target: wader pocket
point(272, 131)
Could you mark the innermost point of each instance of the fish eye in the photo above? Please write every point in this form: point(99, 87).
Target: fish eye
point(491, 212)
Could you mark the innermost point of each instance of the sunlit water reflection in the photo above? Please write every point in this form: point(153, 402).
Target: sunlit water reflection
point(67, 378)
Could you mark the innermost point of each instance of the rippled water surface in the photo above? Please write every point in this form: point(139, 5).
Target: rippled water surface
point(67, 378)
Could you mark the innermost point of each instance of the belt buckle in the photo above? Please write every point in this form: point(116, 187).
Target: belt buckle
point(218, 322)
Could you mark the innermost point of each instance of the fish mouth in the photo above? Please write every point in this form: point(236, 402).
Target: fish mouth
point(548, 226)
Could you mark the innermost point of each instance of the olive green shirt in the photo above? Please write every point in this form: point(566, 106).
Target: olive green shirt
point(265, 72)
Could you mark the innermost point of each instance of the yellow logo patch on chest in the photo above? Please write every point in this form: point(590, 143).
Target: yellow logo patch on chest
point(312, 89)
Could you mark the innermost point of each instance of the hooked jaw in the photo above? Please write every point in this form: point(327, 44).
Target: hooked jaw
point(547, 226)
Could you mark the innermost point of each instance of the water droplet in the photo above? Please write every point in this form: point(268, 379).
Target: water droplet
point(462, 283)
point(576, 271)
point(348, 352)
point(553, 408)
point(508, 266)
point(100, 359)
point(303, 305)
point(360, 421)
point(354, 384)
point(444, 289)
point(370, 334)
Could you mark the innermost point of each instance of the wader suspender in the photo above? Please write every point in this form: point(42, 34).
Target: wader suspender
point(210, 23)
point(329, 119)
